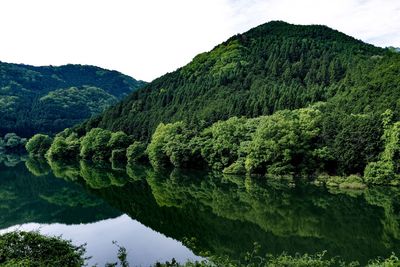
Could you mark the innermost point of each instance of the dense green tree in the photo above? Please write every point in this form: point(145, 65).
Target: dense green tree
point(38, 145)
point(136, 152)
point(285, 142)
point(357, 142)
point(94, 145)
point(119, 140)
point(170, 144)
point(387, 169)
point(12, 143)
point(66, 148)
point(220, 144)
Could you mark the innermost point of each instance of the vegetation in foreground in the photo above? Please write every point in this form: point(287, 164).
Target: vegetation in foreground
point(33, 249)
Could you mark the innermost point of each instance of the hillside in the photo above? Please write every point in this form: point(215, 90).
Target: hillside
point(272, 67)
point(49, 99)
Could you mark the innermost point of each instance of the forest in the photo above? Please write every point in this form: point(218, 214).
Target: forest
point(50, 99)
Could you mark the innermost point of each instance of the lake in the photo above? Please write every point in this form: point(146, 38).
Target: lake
point(160, 215)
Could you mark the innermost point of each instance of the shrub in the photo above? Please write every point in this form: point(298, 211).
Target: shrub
point(34, 249)
point(380, 172)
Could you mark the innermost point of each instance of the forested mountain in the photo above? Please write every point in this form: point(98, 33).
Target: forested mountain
point(49, 99)
point(279, 99)
point(272, 67)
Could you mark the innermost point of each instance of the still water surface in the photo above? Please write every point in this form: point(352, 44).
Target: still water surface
point(158, 216)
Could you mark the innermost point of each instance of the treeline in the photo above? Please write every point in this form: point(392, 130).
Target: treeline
point(303, 142)
point(98, 145)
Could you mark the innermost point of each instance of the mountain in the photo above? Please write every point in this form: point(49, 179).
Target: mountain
point(271, 67)
point(49, 99)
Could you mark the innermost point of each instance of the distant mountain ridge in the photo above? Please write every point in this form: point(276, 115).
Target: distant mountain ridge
point(48, 99)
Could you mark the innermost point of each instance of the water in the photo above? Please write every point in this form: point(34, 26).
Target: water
point(158, 216)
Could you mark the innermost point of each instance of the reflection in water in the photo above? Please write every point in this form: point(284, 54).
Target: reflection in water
point(141, 241)
point(226, 214)
point(26, 197)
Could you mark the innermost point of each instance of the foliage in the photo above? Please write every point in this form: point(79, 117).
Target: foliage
point(284, 142)
point(49, 99)
point(220, 144)
point(94, 145)
point(358, 141)
point(66, 148)
point(272, 67)
point(118, 156)
point(34, 249)
point(135, 152)
point(387, 169)
point(170, 144)
point(38, 145)
point(12, 143)
point(119, 140)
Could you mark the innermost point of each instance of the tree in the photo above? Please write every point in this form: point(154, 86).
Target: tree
point(170, 144)
point(284, 142)
point(135, 152)
point(65, 148)
point(220, 144)
point(119, 140)
point(94, 145)
point(387, 169)
point(38, 145)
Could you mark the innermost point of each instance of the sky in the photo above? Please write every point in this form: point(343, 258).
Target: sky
point(148, 38)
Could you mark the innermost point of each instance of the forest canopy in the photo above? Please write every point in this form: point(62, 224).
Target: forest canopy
point(50, 99)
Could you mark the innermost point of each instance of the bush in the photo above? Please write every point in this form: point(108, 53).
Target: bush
point(381, 172)
point(33, 249)
point(235, 168)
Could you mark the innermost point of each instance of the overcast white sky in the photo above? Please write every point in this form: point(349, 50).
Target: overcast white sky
point(148, 38)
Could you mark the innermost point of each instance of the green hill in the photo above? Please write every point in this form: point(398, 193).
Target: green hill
point(272, 67)
point(279, 99)
point(49, 99)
